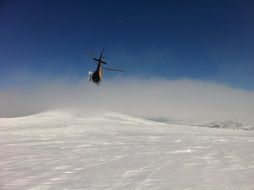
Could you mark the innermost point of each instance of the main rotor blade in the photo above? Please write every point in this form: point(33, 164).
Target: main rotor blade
point(97, 61)
point(118, 70)
point(101, 55)
point(93, 57)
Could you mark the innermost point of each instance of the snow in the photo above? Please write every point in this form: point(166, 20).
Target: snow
point(74, 150)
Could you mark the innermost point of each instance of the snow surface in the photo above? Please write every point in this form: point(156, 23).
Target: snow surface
point(60, 150)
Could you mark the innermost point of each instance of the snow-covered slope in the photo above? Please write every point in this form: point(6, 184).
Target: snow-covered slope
point(63, 149)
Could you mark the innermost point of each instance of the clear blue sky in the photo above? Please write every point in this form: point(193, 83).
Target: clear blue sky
point(203, 40)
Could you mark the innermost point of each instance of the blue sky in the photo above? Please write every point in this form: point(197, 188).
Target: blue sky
point(201, 40)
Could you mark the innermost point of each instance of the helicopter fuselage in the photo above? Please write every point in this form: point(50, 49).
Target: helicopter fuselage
point(97, 74)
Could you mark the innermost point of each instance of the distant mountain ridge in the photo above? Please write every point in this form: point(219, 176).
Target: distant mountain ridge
point(64, 117)
point(230, 124)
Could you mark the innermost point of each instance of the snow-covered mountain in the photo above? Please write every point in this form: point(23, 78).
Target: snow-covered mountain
point(230, 124)
point(63, 149)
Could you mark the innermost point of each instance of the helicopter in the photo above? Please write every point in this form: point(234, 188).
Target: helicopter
point(96, 76)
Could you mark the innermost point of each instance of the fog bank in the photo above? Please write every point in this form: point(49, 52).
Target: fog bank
point(153, 98)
